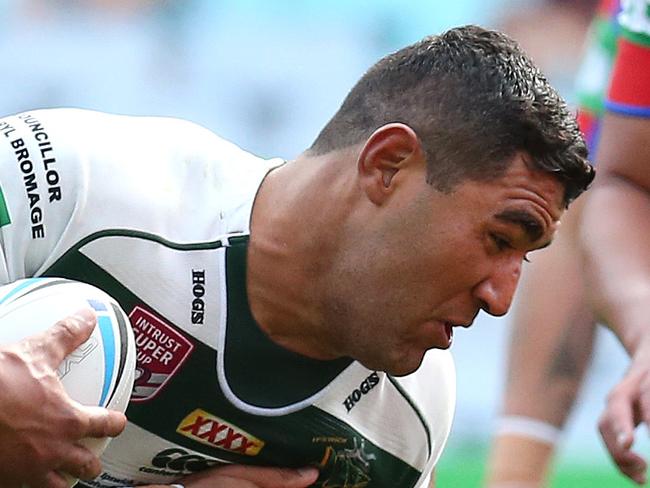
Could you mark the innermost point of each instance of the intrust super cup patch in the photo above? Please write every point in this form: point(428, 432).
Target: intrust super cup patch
point(161, 351)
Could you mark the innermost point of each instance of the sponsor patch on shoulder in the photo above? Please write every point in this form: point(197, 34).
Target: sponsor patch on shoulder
point(209, 429)
point(161, 351)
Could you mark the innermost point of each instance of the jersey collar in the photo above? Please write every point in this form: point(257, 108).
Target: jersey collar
point(259, 372)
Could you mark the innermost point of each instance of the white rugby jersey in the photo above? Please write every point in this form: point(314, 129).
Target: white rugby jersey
point(155, 211)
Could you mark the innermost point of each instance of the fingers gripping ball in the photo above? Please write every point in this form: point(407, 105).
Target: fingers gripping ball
point(100, 371)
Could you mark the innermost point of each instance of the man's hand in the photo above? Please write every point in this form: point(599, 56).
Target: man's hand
point(239, 476)
point(40, 426)
point(628, 405)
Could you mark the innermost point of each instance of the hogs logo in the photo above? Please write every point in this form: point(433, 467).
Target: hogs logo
point(205, 428)
point(198, 290)
point(161, 351)
point(368, 384)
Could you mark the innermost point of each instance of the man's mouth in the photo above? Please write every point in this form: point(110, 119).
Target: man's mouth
point(449, 330)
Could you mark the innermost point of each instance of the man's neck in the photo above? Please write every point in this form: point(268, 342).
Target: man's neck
point(288, 258)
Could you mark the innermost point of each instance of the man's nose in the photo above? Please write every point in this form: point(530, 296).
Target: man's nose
point(495, 292)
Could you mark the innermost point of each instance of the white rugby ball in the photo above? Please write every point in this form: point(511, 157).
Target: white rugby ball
point(100, 372)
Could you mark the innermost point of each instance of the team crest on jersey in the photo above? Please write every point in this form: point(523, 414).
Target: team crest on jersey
point(206, 428)
point(346, 467)
point(161, 352)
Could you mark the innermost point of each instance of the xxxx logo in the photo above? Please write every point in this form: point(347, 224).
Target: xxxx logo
point(206, 428)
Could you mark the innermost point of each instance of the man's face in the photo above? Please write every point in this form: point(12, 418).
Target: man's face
point(428, 261)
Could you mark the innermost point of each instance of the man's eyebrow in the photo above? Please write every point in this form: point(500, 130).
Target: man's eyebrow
point(531, 226)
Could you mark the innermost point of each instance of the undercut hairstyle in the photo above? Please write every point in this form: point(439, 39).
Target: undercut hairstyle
point(475, 100)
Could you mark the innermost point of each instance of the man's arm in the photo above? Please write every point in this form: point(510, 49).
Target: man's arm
point(616, 234)
point(616, 238)
point(551, 342)
point(40, 426)
point(616, 229)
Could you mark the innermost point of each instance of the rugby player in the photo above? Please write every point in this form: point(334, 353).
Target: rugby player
point(615, 232)
point(297, 313)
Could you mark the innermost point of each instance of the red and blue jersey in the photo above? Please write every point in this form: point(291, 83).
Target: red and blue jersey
point(629, 91)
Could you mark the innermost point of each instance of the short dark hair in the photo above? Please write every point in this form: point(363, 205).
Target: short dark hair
point(475, 99)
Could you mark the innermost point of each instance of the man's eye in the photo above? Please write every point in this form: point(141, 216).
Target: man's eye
point(504, 245)
point(501, 243)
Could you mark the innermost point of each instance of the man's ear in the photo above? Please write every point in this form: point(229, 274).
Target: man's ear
point(389, 149)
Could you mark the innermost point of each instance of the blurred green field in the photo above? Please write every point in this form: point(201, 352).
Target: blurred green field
point(467, 471)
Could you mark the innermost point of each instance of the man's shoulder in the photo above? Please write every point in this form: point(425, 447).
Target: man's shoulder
point(102, 125)
point(146, 148)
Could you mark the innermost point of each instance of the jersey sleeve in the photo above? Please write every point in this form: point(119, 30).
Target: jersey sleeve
point(40, 186)
point(67, 175)
point(629, 91)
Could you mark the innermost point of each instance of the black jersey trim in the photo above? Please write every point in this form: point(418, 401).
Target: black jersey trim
point(194, 246)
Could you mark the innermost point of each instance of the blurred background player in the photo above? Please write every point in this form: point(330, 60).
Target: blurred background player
point(554, 326)
point(616, 235)
point(553, 329)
